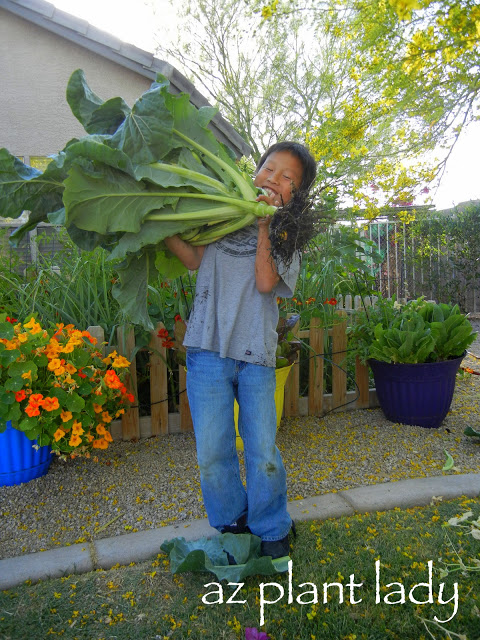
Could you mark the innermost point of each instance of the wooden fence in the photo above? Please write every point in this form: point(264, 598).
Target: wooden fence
point(316, 402)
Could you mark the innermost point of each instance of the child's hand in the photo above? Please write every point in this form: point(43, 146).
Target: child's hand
point(274, 199)
point(264, 222)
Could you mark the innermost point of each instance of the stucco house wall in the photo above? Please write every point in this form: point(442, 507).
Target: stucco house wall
point(40, 47)
point(35, 65)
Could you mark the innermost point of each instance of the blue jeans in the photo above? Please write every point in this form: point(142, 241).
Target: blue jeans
point(212, 385)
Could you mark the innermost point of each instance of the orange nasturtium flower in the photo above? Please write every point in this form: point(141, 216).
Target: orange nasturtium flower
point(120, 362)
point(101, 429)
point(97, 408)
point(35, 399)
point(32, 410)
point(75, 440)
point(112, 380)
point(77, 428)
point(106, 417)
point(33, 326)
point(55, 363)
point(58, 435)
point(90, 338)
point(66, 416)
point(20, 395)
point(50, 404)
point(101, 443)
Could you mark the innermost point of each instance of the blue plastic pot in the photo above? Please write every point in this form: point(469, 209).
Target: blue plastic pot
point(417, 394)
point(19, 460)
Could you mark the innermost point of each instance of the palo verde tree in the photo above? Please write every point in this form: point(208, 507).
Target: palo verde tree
point(417, 65)
point(292, 78)
point(269, 81)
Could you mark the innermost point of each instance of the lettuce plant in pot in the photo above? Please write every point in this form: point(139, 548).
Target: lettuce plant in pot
point(58, 394)
point(414, 351)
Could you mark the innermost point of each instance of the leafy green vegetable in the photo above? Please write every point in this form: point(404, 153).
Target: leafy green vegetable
point(139, 176)
point(415, 332)
point(210, 554)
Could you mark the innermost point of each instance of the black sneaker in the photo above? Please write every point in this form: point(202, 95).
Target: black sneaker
point(240, 526)
point(278, 548)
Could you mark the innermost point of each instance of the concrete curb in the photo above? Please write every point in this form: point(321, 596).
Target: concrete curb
point(144, 545)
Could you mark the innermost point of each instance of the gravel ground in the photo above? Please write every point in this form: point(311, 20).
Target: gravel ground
point(155, 482)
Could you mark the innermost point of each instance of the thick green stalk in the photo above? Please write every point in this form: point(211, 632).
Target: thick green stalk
point(204, 216)
point(221, 229)
point(243, 186)
point(260, 209)
point(192, 175)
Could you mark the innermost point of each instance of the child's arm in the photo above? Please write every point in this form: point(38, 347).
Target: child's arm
point(189, 256)
point(266, 274)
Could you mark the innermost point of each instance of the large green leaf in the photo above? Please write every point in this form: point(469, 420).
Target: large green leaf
point(6, 330)
point(95, 148)
point(210, 554)
point(17, 369)
point(93, 113)
point(169, 265)
point(25, 188)
point(74, 402)
point(107, 202)
point(41, 196)
point(102, 189)
point(131, 292)
point(151, 233)
point(146, 133)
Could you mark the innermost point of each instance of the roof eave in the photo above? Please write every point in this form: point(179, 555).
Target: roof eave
point(46, 15)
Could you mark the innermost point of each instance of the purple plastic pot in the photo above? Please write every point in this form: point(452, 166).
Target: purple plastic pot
point(417, 394)
point(19, 460)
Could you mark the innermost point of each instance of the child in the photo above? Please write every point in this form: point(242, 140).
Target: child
point(231, 342)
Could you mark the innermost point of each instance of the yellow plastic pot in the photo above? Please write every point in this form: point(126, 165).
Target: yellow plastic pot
point(281, 376)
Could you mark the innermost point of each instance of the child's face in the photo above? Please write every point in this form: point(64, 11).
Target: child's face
point(280, 172)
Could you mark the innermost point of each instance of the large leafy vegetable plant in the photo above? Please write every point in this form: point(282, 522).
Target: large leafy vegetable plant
point(137, 177)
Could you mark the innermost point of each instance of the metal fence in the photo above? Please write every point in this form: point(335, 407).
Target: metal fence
point(406, 273)
point(44, 239)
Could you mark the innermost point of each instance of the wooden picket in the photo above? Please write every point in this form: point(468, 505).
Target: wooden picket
point(317, 402)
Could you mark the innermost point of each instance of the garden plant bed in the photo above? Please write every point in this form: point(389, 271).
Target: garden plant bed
point(155, 482)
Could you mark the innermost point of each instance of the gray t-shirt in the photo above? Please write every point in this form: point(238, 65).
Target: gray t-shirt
point(229, 315)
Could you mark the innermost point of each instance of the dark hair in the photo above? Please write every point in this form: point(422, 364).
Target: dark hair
point(302, 153)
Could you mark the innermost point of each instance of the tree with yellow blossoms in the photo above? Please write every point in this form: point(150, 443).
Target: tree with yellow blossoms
point(354, 80)
point(417, 66)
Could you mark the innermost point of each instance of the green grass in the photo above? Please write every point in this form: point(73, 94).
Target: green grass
point(146, 601)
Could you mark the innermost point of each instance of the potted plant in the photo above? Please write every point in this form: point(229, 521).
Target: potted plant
point(58, 394)
point(414, 351)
